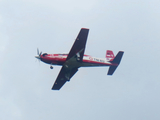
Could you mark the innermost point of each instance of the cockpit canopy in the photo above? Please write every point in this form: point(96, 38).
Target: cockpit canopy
point(44, 54)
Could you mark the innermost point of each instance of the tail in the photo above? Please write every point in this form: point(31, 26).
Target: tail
point(117, 61)
point(109, 55)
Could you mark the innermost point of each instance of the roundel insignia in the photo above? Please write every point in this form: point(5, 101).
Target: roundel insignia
point(90, 58)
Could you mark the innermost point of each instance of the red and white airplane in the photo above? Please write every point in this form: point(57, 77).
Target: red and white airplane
point(75, 59)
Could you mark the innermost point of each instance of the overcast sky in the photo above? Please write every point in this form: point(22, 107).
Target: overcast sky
point(132, 26)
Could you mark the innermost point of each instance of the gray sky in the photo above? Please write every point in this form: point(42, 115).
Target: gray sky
point(132, 93)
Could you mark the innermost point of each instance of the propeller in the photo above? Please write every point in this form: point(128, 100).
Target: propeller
point(39, 54)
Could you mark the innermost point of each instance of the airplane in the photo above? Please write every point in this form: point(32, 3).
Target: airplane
point(76, 58)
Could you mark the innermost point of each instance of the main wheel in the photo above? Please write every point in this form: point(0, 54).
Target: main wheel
point(51, 67)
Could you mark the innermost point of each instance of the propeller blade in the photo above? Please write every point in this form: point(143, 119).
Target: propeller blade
point(40, 53)
point(37, 51)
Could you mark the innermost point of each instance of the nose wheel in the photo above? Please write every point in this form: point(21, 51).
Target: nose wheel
point(51, 67)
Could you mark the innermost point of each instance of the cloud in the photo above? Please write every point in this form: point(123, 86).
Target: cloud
point(25, 86)
point(69, 6)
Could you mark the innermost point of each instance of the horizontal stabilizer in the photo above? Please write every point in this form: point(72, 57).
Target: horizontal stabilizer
point(118, 57)
point(117, 61)
point(111, 70)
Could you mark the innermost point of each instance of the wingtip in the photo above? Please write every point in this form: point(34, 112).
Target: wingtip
point(85, 28)
point(54, 89)
point(121, 51)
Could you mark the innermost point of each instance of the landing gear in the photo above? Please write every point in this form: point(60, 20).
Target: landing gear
point(51, 67)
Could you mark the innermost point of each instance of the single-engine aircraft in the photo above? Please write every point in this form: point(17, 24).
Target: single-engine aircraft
point(75, 59)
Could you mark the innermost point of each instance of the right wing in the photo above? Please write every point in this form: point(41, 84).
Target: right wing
point(65, 74)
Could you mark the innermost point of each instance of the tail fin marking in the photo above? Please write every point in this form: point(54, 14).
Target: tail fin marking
point(109, 55)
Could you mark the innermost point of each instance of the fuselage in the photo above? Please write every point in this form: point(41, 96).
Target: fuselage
point(88, 61)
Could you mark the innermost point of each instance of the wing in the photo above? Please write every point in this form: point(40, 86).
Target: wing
point(70, 67)
point(65, 74)
point(78, 47)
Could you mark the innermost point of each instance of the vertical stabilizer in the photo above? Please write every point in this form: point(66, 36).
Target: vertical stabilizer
point(109, 55)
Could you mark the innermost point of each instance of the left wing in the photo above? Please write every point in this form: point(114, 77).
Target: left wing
point(65, 74)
